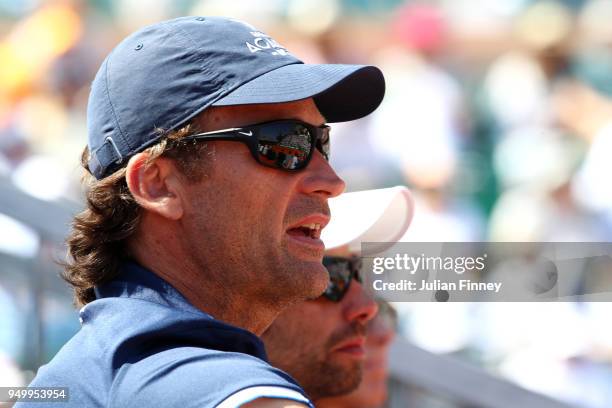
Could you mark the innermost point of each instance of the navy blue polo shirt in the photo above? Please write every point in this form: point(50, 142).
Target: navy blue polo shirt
point(142, 344)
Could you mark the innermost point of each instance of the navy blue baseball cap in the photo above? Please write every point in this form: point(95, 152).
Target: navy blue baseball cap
point(163, 75)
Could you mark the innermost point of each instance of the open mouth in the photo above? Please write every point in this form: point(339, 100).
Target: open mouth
point(305, 235)
point(312, 231)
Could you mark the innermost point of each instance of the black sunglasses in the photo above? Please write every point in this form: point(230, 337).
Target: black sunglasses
point(341, 272)
point(282, 144)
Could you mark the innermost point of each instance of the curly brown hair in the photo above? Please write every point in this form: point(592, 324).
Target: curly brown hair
point(97, 241)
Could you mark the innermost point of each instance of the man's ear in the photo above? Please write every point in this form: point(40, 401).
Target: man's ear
point(155, 186)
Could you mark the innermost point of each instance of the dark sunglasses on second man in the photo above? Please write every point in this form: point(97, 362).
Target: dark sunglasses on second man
point(283, 144)
point(341, 272)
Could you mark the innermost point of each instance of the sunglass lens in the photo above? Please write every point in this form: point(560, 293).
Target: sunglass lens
point(284, 145)
point(323, 143)
point(339, 278)
point(356, 266)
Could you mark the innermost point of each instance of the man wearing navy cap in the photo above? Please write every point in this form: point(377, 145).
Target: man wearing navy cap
point(208, 187)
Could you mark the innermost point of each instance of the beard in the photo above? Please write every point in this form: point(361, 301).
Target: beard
point(331, 380)
point(323, 374)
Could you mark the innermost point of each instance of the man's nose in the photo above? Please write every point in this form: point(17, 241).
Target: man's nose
point(320, 178)
point(359, 305)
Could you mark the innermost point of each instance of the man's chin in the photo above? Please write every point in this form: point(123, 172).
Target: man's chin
point(315, 279)
point(347, 380)
point(333, 378)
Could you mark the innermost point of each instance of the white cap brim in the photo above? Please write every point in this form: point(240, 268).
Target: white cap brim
point(380, 216)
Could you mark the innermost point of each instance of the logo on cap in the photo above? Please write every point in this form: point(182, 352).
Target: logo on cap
point(264, 42)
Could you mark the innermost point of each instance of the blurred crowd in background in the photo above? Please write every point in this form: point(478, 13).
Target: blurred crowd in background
point(498, 116)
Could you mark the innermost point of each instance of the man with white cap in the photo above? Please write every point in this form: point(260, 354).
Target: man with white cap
point(321, 342)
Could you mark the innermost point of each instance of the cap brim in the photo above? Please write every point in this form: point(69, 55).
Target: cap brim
point(341, 92)
point(379, 216)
